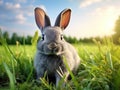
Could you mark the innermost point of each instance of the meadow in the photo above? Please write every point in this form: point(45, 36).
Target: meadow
point(99, 68)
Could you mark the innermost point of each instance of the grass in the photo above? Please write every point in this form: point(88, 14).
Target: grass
point(99, 69)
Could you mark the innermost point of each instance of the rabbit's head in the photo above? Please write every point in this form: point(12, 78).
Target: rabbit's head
point(52, 41)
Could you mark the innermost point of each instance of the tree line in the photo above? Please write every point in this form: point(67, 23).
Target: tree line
point(28, 39)
point(15, 38)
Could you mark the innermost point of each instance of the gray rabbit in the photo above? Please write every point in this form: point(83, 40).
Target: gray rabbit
point(52, 48)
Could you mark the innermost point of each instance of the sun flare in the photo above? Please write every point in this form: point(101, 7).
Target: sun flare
point(109, 23)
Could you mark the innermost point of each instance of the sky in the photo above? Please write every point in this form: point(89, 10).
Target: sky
point(89, 18)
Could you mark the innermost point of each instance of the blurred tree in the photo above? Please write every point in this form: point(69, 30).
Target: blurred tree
point(71, 39)
point(21, 39)
point(28, 40)
point(14, 38)
point(116, 36)
point(117, 25)
point(6, 36)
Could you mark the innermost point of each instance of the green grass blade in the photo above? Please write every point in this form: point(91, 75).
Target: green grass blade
point(11, 77)
point(46, 83)
point(29, 76)
point(9, 53)
point(35, 38)
point(73, 77)
point(109, 59)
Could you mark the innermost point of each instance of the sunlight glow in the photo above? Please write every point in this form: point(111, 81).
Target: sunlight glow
point(109, 25)
point(109, 18)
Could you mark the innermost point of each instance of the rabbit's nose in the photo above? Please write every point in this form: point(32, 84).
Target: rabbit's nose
point(52, 46)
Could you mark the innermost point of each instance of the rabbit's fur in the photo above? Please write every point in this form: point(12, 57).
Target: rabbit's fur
point(52, 48)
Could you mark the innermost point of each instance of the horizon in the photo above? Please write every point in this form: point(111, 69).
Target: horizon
point(89, 18)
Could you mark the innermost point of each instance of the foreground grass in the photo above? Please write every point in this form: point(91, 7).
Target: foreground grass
point(99, 69)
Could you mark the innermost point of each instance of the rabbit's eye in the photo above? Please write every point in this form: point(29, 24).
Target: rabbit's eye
point(61, 37)
point(42, 37)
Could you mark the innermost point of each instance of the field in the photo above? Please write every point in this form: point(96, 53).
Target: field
point(99, 68)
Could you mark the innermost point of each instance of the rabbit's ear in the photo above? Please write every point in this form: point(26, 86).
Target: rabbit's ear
point(63, 18)
point(41, 18)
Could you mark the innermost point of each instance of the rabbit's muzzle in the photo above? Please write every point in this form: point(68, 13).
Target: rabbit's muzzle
point(53, 47)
